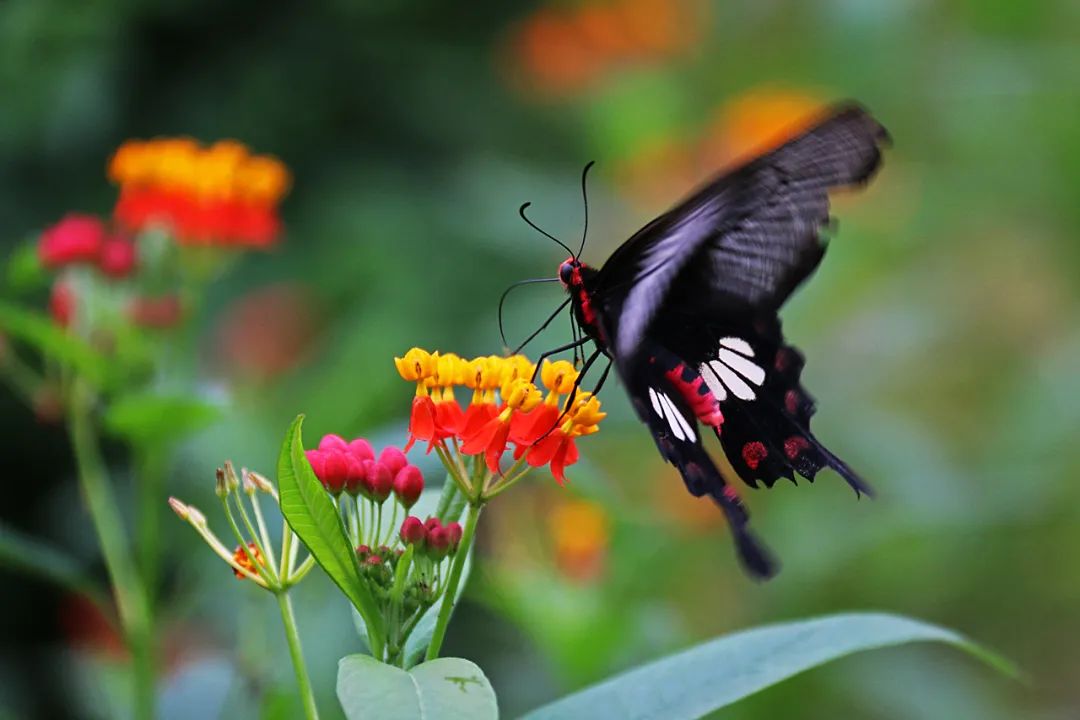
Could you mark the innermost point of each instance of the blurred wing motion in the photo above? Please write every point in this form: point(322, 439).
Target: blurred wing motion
point(688, 310)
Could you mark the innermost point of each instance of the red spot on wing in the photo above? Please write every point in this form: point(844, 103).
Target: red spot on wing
point(795, 445)
point(782, 360)
point(753, 453)
point(791, 402)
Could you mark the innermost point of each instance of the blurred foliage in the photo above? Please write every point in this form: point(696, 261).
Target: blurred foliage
point(941, 331)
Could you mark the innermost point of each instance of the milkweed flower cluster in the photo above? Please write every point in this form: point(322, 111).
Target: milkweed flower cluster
point(254, 557)
point(506, 408)
point(216, 195)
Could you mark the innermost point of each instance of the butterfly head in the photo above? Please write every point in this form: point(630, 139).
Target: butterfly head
point(570, 272)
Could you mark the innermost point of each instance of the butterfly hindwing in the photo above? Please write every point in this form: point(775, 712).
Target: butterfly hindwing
point(755, 377)
point(671, 399)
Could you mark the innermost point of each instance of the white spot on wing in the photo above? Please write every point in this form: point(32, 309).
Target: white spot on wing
point(655, 403)
point(676, 421)
point(733, 382)
point(741, 365)
point(738, 345)
point(713, 381)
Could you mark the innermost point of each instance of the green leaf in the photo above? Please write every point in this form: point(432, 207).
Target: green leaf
point(717, 673)
point(311, 514)
point(41, 332)
point(148, 418)
point(24, 269)
point(30, 555)
point(443, 689)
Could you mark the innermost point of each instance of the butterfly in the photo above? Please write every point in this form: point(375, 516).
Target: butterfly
point(686, 310)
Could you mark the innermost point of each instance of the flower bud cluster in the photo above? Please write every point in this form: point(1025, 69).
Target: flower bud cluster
point(351, 467)
point(431, 537)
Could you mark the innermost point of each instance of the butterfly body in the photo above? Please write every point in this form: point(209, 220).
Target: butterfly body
point(687, 311)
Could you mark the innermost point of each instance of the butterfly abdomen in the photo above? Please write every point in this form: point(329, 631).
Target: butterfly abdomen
point(692, 386)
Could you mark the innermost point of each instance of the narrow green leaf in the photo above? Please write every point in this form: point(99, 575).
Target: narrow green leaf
point(41, 332)
point(311, 514)
point(443, 689)
point(32, 556)
point(24, 269)
point(149, 418)
point(717, 673)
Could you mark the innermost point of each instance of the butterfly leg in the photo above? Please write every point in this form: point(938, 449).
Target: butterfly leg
point(554, 351)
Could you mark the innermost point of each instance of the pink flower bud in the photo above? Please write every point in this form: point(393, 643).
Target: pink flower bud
point(373, 560)
point(361, 449)
point(393, 459)
point(335, 471)
point(363, 550)
point(380, 482)
point(413, 531)
point(432, 524)
point(317, 459)
point(357, 474)
point(333, 442)
point(76, 238)
point(408, 484)
point(117, 258)
point(438, 543)
point(455, 535)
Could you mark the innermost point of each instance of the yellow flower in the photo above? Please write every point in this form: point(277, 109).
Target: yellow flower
point(417, 365)
point(558, 377)
point(520, 394)
point(584, 416)
point(580, 531)
point(514, 368)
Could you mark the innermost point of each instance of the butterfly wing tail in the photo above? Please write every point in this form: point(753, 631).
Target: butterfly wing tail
point(664, 409)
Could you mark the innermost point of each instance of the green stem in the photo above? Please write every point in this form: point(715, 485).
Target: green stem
point(150, 464)
point(311, 712)
point(105, 516)
point(455, 577)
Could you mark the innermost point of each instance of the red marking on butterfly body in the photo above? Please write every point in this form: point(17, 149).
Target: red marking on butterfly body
point(704, 404)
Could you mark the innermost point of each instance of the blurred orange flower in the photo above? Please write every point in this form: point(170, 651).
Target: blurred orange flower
point(757, 121)
point(221, 194)
point(565, 50)
point(580, 533)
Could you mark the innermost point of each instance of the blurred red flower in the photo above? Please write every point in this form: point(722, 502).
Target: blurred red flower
point(76, 238)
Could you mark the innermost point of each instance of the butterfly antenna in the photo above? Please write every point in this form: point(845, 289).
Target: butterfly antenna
point(585, 202)
point(534, 226)
point(506, 292)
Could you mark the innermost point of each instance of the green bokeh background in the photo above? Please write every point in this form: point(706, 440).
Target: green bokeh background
point(941, 331)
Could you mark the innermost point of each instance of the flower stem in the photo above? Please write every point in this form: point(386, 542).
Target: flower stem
point(311, 712)
point(450, 594)
point(105, 515)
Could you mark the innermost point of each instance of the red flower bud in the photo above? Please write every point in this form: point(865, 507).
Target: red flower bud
point(393, 459)
point(373, 560)
point(438, 543)
point(361, 449)
point(413, 532)
point(333, 442)
point(408, 484)
point(357, 474)
point(62, 304)
point(76, 238)
point(379, 481)
point(455, 535)
point(335, 471)
point(432, 523)
point(117, 258)
point(363, 550)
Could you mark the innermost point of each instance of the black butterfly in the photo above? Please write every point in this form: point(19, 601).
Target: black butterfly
point(687, 309)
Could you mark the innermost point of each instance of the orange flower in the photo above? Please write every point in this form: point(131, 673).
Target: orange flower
point(580, 533)
point(219, 195)
point(557, 448)
point(492, 437)
point(244, 560)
